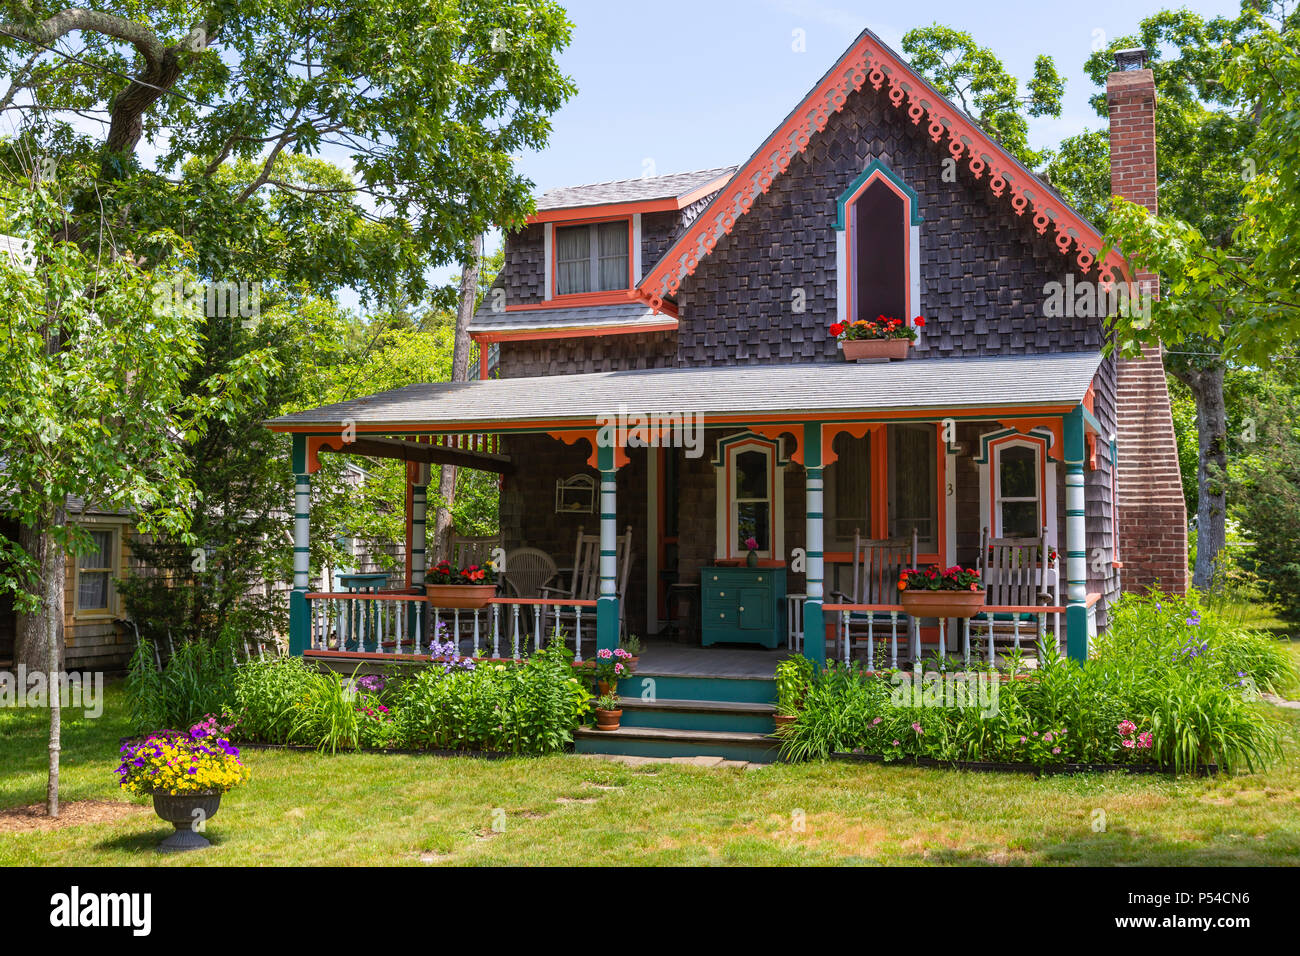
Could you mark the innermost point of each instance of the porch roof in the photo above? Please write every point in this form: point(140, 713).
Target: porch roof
point(769, 392)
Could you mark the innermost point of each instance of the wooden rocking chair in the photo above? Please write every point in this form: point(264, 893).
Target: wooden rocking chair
point(1016, 572)
point(877, 566)
point(464, 550)
point(584, 585)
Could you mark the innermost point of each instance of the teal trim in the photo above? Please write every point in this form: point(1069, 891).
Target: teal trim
point(741, 690)
point(299, 455)
point(874, 167)
point(299, 622)
point(989, 437)
point(720, 458)
point(761, 750)
point(606, 606)
point(1076, 615)
point(1091, 421)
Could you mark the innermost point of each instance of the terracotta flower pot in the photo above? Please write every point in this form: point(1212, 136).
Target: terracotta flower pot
point(186, 812)
point(467, 597)
point(608, 719)
point(919, 603)
point(855, 349)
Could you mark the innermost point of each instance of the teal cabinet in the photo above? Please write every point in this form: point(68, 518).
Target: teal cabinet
point(742, 605)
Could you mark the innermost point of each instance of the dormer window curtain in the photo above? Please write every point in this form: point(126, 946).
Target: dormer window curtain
point(592, 257)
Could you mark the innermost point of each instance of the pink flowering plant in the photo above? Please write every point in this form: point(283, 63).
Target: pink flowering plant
point(935, 578)
point(612, 665)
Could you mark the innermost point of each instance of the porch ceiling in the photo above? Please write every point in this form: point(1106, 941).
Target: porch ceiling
point(764, 392)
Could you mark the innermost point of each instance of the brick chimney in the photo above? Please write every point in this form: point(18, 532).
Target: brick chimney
point(1151, 525)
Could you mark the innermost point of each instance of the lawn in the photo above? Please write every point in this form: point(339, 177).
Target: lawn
point(304, 809)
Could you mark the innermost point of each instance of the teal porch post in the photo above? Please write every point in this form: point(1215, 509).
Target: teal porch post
point(814, 630)
point(299, 609)
point(1076, 548)
point(607, 601)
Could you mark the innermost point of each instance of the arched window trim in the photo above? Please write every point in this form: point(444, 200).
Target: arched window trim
point(724, 466)
point(876, 171)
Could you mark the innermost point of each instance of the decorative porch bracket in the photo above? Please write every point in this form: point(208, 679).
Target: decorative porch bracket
point(607, 601)
point(814, 628)
point(1076, 549)
point(299, 614)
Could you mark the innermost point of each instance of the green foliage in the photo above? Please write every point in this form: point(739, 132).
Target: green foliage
point(530, 707)
point(1169, 684)
point(793, 677)
point(974, 78)
point(197, 680)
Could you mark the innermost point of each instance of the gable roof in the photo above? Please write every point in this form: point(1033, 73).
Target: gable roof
point(677, 186)
point(870, 60)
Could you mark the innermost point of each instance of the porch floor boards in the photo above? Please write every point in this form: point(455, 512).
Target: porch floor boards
point(679, 660)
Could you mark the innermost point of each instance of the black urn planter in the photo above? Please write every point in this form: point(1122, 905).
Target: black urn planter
point(187, 812)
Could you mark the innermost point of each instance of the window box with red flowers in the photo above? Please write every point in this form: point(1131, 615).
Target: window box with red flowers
point(941, 592)
point(883, 339)
point(468, 588)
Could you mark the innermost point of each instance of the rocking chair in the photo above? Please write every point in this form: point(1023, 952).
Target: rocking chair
point(584, 585)
point(877, 566)
point(1016, 572)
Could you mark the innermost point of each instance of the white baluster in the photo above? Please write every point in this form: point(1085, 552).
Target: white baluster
point(988, 629)
point(496, 632)
point(455, 629)
point(943, 645)
point(514, 640)
point(893, 639)
point(871, 641)
point(965, 631)
point(537, 627)
point(400, 610)
point(475, 654)
point(577, 633)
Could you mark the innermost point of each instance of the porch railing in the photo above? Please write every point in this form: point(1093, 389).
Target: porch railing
point(406, 623)
point(876, 621)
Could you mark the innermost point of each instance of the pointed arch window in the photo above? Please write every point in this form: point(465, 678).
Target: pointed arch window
point(878, 247)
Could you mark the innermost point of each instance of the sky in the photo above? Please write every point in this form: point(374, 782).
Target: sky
point(666, 86)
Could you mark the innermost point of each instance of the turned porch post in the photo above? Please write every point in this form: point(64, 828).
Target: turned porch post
point(419, 511)
point(607, 601)
point(1076, 547)
point(299, 610)
point(814, 631)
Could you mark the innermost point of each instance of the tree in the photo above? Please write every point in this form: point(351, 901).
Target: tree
point(974, 78)
point(92, 382)
point(1225, 241)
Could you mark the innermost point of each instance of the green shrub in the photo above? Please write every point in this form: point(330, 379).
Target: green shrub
point(268, 697)
point(1168, 685)
point(196, 681)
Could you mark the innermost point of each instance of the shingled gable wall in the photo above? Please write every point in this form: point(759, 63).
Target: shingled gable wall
point(1152, 512)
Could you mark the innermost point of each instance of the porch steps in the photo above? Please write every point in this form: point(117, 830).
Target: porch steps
point(696, 715)
point(666, 742)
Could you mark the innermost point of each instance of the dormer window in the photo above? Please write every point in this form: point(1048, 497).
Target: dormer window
point(878, 247)
point(593, 257)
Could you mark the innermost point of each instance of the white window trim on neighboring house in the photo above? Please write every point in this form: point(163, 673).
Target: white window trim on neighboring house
point(117, 529)
point(1044, 477)
point(726, 505)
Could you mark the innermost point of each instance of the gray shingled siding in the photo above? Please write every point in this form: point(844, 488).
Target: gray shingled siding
point(604, 353)
point(982, 268)
point(523, 274)
point(1100, 518)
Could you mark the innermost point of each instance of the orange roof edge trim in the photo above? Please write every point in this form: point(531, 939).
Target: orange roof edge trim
point(869, 61)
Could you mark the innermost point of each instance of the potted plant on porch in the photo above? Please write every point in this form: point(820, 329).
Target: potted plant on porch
point(882, 339)
point(186, 773)
point(941, 592)
point(469, 588)
point(610, 667)
point(608, 712)
point(793, 678)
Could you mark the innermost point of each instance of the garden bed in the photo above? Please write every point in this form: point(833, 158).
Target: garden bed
point(1038, 770)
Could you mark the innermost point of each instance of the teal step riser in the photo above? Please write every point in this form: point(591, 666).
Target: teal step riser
point(695, 720)
point(753, 753)
point(673, 687)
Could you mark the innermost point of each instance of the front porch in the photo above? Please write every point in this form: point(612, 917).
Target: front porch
point(792, 457)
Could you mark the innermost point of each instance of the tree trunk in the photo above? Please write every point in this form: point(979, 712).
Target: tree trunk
point(1206, 386)
point(459, 373)
point(40, 637)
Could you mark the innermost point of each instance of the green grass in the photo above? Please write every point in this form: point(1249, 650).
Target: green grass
point(307, 808)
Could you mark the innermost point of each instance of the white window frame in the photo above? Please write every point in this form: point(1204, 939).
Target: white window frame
point(999, 499)
point(727, 519)
point(593, 256)
point(114, 571)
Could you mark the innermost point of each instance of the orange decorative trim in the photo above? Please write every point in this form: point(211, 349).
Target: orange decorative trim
point(1090, 399)
point(1025, 425)
point(616, 297)
point(1091, 438)
point(572, 438)
point(870, 61)
point(314, 445)
point(528, 335)
point(832, 429)
point(774, 433)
